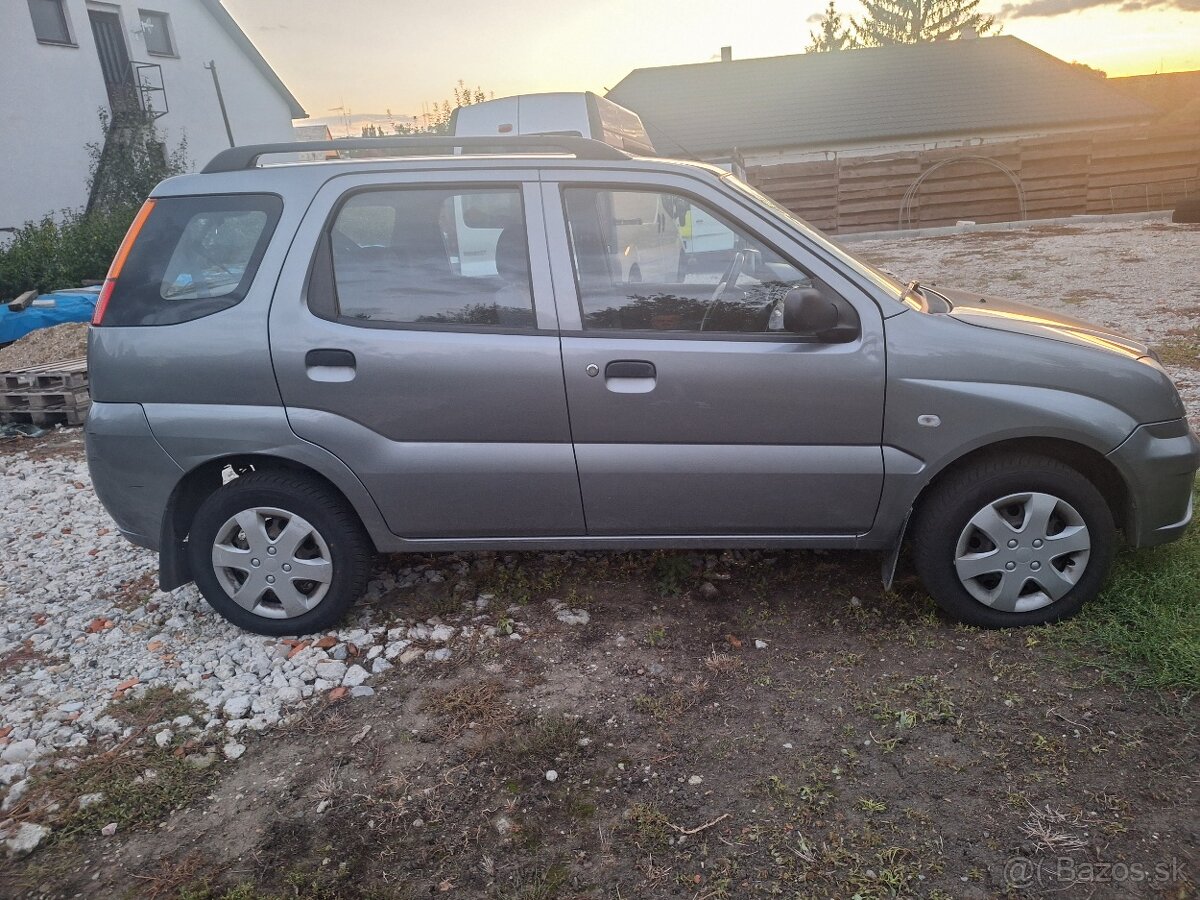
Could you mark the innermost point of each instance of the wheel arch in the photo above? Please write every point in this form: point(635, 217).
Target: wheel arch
point(200, 482)
point(1089, 463)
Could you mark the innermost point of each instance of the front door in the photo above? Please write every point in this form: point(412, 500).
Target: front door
point(693, 411)
point(413, 335)
point(114, 61)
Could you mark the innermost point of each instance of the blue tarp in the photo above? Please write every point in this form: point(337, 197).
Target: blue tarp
point(74, 305)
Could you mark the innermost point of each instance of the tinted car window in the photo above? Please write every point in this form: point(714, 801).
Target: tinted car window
point(653, 261)
point(194, 256)
point(432, 257)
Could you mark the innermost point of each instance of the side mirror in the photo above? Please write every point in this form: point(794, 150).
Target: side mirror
point(805, 311)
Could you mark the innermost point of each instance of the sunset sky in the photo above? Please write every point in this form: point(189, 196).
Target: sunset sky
point(374, 55)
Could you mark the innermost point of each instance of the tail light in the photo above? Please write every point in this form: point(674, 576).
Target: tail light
point(118, 263)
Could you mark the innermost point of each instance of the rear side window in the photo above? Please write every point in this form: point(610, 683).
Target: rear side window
point(435, 257)
point(195, 256)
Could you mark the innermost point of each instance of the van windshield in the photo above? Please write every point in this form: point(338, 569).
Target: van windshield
point(881, 279)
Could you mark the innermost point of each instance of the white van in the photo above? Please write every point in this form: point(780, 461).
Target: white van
point(647, 244)
point(564, 113)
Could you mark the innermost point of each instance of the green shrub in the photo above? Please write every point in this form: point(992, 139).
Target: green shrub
point(62, 252)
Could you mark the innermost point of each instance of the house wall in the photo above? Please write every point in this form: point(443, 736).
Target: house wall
point(50, 96)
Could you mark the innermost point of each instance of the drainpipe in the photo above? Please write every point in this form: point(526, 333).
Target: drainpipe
point(212, 67)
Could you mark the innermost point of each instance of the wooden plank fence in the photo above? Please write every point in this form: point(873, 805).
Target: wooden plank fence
point(1111, 171)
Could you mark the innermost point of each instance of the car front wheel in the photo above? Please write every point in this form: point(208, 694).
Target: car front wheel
point(1013, 540)
point(277, 553)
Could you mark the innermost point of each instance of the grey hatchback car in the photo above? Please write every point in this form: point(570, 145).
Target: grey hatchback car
point(537, 343)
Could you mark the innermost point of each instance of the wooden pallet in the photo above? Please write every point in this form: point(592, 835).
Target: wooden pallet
point(47, 418)
point(47, 395)
point(67, 374)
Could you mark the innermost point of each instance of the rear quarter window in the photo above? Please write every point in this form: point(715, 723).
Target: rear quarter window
point(195, 256)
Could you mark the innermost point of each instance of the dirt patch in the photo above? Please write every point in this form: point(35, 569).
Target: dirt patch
point(55, 443)
point(46, 345)
point(800, 734)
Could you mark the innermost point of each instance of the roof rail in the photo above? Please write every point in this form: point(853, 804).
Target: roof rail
point(236, 159)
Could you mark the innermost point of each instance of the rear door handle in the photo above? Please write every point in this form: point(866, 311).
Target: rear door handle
point(330, 365)
point(338, 358)
point(630, 368)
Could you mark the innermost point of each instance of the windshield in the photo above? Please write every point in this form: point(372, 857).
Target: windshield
point(881, 279)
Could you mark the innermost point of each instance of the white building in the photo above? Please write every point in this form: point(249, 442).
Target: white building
point(61, 61)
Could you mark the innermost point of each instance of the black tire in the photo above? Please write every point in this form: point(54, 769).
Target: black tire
point(349, 548)
point(946, 513)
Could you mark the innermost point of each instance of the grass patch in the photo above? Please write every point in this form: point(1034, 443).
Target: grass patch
point(133, 784)
point(139, 789)
point(1181, 350)
point(158, 704)
point(475, 704)
point(1144, 629)
point(536, 744)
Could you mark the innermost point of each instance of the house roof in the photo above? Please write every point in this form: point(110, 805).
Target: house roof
point(828, 100)
point(225, 20)
point(1175, 94)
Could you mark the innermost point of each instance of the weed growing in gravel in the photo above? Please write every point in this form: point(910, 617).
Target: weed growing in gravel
point(158, 704)
point(138, 788)
point(672, 571)
point(527, 580)
point(133, 784)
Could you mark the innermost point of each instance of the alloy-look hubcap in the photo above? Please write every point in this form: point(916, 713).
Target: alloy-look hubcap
point(272, 563)
point(1022, 552)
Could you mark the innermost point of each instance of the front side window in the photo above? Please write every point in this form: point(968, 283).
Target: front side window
point(194, 256)
point(156, 31)
point(432, 256)
point(50, 21)
point(662, 262)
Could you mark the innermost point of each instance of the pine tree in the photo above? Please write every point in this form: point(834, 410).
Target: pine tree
point(832, 35)
point(914, 21)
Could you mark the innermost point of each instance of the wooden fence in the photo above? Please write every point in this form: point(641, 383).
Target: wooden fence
point(1119, 170)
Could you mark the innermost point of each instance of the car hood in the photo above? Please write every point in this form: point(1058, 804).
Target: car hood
point(1007, 315)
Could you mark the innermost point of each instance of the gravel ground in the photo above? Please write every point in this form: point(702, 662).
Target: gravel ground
point(82, 624)
point(47, 345)
point(1140, 277)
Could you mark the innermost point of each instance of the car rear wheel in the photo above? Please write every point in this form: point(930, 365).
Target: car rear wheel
point(278, 553)
point(1013, 540)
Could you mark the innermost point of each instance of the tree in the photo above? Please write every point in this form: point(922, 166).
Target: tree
point(915, 21)
point(436, 120)
point(832, 35)
point(129, 161)
point(1089, 70)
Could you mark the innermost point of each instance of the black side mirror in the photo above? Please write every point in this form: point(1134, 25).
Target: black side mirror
point(806, 311)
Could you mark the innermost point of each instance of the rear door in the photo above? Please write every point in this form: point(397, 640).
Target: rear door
point(693, 412)
point(413, 334)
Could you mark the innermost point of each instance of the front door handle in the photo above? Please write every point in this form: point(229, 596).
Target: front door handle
point(630, 376)
point(630, 368)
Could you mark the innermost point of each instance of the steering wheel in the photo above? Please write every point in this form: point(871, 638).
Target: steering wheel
point(727, 280)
